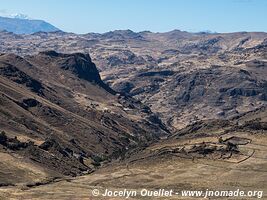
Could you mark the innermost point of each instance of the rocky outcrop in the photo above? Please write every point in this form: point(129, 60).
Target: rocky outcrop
point(78, 64)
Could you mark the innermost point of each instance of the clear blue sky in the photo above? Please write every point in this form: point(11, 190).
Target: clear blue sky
point(82, 16)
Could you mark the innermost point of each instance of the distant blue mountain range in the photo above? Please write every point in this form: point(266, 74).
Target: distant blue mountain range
point(25, 26)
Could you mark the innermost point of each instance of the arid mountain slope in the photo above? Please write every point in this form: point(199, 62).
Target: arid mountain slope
point(215, 92)
point(59, 118)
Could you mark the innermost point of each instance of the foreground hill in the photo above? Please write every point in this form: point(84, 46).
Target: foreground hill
point(59, 118)
point(214, 155)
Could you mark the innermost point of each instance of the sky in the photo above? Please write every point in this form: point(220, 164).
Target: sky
point(83, 16)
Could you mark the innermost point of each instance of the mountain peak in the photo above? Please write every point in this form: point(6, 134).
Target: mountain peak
point(21, 24)
point(122, 34)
